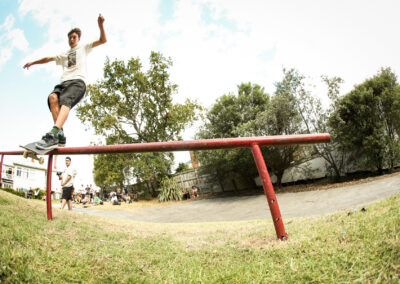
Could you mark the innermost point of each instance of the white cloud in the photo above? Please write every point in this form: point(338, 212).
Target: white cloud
point(217, 44)
point(351, 39)
point(10, 39)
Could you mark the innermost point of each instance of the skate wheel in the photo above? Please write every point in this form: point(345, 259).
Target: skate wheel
point(41, 160)
point(25, 154)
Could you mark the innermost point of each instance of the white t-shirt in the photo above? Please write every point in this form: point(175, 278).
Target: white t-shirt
point(73, 62)
point(69, 171)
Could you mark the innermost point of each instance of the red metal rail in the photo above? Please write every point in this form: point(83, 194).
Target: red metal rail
point(207, 144)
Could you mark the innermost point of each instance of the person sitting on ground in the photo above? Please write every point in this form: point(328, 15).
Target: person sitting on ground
point(125, 197)
point(85, 200)
point(186, 194)
point(134, 196)
point(78, 198)
point(97, 200)
point(112, 193)
point(195, 191)
point(114, 200)
point(119, 195)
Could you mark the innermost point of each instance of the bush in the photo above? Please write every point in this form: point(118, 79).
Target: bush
point(41, 193)
point(147, 196)
point(10, 190)
point(169, 190)
point(22, 194)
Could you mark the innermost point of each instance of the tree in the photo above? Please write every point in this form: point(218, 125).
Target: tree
point(367, 121)
point(281, 117)
point(228, 113)
point(182, 167)
point(133, 106)
point(315, 119)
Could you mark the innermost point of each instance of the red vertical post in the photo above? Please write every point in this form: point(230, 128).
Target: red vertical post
point(48, 187)
point(1, 168)
point(269, 192)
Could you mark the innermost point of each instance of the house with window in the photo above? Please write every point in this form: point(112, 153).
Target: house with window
point(20, 176)
point(7, 174)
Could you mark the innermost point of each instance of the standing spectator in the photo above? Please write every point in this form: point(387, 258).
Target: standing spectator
point(67, 183)
point(82, 191)
point(105, 194)
point(119, 195)
point(97, 192)
point(91, 193)
point(87, 188)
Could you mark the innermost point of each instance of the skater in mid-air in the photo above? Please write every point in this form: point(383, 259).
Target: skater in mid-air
point(72, 87)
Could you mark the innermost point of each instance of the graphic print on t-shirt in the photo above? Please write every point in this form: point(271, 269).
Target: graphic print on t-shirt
point(72, 59)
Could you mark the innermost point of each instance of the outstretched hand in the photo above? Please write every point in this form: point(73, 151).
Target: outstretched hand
point(100, 20)
point(27, 65)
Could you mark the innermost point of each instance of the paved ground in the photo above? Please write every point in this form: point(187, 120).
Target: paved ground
point(299, 204)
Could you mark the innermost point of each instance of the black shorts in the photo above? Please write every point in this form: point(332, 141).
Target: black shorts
point(67, 193)
point(69, 92)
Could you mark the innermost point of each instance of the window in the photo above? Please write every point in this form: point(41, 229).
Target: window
point(19, 171)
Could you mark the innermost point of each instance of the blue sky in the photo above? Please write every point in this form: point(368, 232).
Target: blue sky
point(214, 45)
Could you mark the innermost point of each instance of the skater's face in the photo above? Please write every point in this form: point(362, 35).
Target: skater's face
point(67, 162)
point(73, 40)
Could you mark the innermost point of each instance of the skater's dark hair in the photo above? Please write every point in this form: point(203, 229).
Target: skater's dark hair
point(75, 30)
point(68, 158)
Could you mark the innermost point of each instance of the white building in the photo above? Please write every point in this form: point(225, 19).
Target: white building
point(21, 176)
point(7, 176)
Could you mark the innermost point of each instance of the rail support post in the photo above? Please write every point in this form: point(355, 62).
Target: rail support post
point(48, 187)
point(1, 168)
point(269, 192)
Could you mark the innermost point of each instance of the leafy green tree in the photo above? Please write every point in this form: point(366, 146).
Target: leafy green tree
point(281, 117)
point(182, 167)
point(367, 121)
point(229, 112)
point(109, 169)
point(315, 118)
point(130, 105)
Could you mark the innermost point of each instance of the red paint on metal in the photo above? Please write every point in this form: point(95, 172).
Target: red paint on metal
point(48, 187)
point(205, 144)
point(269, 192)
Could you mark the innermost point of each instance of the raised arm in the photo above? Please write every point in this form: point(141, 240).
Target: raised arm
point(40, 61)
point(102, 39)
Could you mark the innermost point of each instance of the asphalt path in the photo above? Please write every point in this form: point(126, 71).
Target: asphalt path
point(300, 204)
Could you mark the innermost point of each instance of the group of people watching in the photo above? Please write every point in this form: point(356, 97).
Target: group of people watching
point(118, 196)
point(194, 194)
point(87, 195)
point(92, 196)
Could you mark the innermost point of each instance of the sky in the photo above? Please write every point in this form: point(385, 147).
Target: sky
point(215, 45)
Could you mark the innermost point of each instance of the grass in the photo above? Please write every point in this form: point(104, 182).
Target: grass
point(73, 248)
